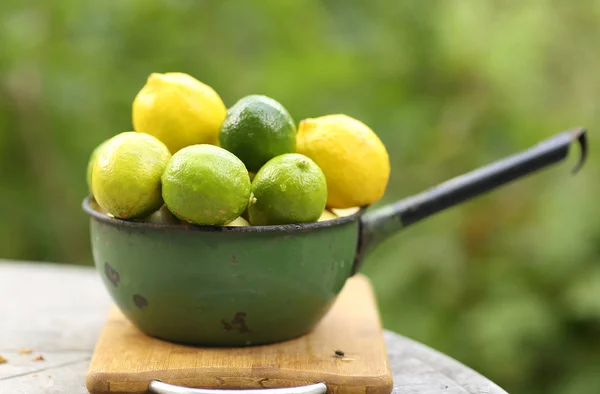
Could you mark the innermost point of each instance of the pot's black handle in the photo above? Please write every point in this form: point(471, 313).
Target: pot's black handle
point(379, 224)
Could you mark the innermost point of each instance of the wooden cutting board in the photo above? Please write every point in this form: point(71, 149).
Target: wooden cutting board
point(126, 360)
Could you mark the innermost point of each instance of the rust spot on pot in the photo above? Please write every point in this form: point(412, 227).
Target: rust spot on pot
point(140, 301)
point(111, 274)
point(238, 323)
point(233, 260)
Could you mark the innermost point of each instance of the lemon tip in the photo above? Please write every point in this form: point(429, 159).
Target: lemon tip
point(154, 77)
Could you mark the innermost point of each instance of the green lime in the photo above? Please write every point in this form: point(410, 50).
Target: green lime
point(92, 160)
point(162, 216)
point(256, 129)
point(290, 188)
point(126, 175)
point(244, 215)
point(205, 184)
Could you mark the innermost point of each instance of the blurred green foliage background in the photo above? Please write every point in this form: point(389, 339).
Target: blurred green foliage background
point(508, 283)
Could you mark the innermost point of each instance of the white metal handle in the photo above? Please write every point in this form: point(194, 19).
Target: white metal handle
point(158, 387)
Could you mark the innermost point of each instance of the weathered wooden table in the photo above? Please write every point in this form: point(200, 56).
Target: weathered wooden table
point(58, 311)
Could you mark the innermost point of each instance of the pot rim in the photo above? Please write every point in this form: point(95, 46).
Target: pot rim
point(282, 228)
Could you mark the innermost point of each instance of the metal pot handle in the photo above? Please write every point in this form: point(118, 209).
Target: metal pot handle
point(158, 387)
point(381, 223)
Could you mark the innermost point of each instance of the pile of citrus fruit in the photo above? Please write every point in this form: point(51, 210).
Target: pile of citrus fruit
point(192, 160)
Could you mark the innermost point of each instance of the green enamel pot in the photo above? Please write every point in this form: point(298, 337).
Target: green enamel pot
point(238, 286)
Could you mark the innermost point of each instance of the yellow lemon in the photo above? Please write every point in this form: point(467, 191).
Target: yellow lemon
point(238, 222)
point(326, 215)
point(345, 211)
point(352, 157)
point(179, 110)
